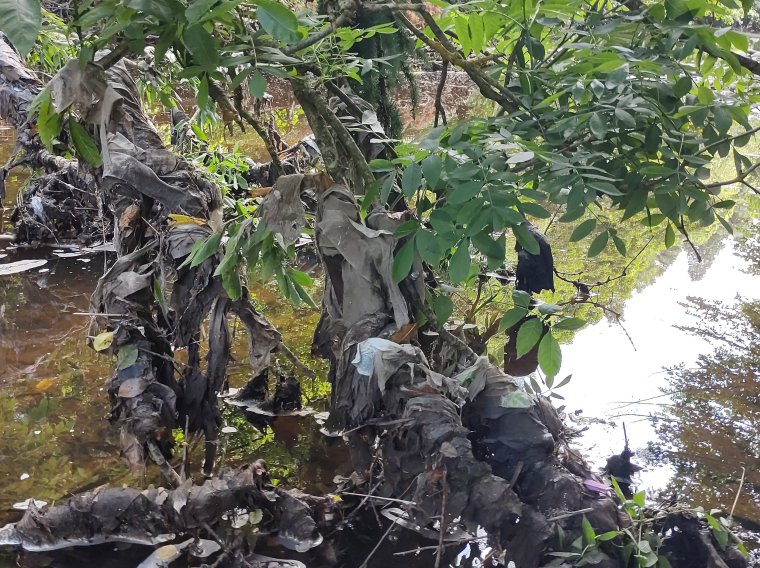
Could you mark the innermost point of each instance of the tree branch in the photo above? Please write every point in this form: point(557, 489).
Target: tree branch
point(343, 18)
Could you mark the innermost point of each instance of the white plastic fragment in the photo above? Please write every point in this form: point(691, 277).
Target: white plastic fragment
point(24, 505)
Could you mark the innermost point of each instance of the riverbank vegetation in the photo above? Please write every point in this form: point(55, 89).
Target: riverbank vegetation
point(597, 116)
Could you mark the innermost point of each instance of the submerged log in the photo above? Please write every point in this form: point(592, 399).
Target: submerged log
point(159, 515)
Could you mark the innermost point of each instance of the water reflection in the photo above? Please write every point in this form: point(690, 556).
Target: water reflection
point(682, 375)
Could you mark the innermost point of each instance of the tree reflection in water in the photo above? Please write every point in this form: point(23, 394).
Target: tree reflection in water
point(712, 429)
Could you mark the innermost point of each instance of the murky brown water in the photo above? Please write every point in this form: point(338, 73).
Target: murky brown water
point(689, 393)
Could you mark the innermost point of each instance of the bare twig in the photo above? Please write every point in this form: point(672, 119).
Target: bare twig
point(379, 542)
point(686, 237)
point(741, 176)
point(260, 130)
point(342, 18)
point(447, 335)
point(166, 469)
point(113, 57)
point(738, 492)
point(439, 110)
point(389, 499)
point(598, 283)
point(442, 527)
point(282, 348)
point(313, 99)
point(487, 85)
point(516, 473)
point(570, 514)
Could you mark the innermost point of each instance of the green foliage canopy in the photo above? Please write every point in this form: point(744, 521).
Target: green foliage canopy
point(600, 106)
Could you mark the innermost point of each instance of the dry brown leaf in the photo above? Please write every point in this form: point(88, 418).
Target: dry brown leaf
point(129, 218)
point(44, 385)
point(406, 334)
point(259, 191)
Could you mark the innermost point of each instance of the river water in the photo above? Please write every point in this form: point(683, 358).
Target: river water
point(682, 373)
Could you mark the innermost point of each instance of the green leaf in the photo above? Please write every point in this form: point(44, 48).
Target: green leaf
point(598, 126)
point(464, 191)
point(570, 324)
point(84, 143)
point(493, 249)
point(705, 95)
point(549, 355)
point(476, 32)
point(429, 247)
point(202, 250)
point(511, 317)
point(278, 21)
point(94, 14)
point(640, 498)
point(86, 54)
point(459, 265)
point(411, 180)
point(231, 283)
point(163, 10)
point(431, 169)
point(381, 165)
point(403, 261)
point(723, 120)
point(609, 535)
point(21, 20)
point(302, 294)
point(300, 277)
point(102, 341)
point(463, 33)
point(625, 118)
point(564, 381)
point(549, 309)
point(652, 139)
point(202, 95)
point(726, 225)
point(385, 191)
point(589, 535)
point(670, 236)
point(49, 122)
point(727, 204)
point(619, 244)
point(682, 86)
point(598, 244)
point(526, 239)
point(443, 307)
point(198, 9)
point(528, 335)
point(127, 356)
point(520, 157)
point(407, 228)
point(257, 86)
point(521, 298)
point(201, 45)
point(534, 210)
point(583, 230)
point(605, 187)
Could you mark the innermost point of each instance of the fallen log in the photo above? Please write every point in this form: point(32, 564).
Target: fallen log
point(240, 500)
